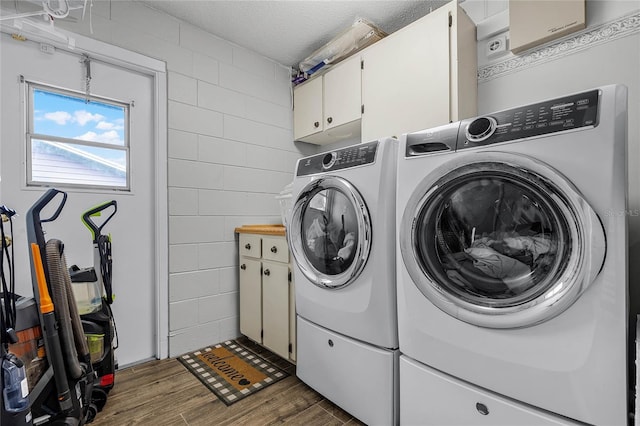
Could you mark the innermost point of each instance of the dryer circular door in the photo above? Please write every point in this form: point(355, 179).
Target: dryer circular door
point(500, 240)
point(330, 233)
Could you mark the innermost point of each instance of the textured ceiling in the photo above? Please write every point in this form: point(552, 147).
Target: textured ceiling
point(289, 31)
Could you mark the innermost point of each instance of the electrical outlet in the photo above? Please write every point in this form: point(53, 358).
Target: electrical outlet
point(496, 46)
point(47, 48)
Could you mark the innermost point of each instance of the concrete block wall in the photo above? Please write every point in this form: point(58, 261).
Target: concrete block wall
point(230, 152)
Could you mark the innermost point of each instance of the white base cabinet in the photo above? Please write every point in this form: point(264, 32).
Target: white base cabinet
point(267, 302)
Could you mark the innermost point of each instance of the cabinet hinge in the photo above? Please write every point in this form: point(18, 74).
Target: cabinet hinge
point(362, 64)
point(362, 109)
point(450, 20)
point(290, 348)
point(289, 276)
point(261, 334)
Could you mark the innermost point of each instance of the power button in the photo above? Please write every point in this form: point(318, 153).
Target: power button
point(481, 129)
point(329, 160)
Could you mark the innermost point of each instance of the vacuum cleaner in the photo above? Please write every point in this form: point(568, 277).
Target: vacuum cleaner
point(14, 400)
point(62, 395)
point(94, 295)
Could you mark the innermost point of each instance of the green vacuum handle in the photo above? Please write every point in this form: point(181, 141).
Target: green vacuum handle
point(97, 211)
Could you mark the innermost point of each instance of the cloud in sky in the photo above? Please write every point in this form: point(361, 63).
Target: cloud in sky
point(106, 125)
point(110, 137)
point(80, 117)
point(59, 117)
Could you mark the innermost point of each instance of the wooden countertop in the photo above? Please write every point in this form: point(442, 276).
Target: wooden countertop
point(262, 229)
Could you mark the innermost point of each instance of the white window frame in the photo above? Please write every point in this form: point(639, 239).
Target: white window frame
point(30, 86)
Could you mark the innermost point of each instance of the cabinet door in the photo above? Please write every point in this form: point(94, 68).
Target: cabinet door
point(250, 299)
point(406, 78)
point(275, 307)
point(342, 93)
point(307, 108)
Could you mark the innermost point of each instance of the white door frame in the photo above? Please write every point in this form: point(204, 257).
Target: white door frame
point(158, 71)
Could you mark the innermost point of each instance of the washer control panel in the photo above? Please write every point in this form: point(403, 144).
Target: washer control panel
point(557, 115)
point(356, 155)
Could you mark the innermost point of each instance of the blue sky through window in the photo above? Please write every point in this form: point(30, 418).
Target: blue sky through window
point(72, 117)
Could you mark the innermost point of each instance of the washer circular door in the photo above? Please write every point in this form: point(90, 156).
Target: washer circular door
point(330, 233)
point(500, 240)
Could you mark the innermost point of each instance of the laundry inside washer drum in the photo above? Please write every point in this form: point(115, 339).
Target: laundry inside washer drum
point(494, 241)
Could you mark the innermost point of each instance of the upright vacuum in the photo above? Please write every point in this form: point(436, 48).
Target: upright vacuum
point(94, 294)
point(62, 395)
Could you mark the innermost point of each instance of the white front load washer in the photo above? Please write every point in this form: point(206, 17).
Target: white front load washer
point(512, 263)
point(342, 237)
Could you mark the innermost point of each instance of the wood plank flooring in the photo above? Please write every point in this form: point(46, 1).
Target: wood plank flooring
point(165, 393)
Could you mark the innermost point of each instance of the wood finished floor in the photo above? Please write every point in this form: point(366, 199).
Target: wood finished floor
point(165, 393)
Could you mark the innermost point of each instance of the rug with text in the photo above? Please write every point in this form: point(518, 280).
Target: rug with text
point(231, 371)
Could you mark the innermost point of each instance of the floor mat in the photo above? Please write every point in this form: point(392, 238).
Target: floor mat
point(231, 371)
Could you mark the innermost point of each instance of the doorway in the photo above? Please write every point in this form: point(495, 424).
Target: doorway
point(135, 240)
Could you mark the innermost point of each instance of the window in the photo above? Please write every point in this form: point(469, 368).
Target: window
point(72, 141)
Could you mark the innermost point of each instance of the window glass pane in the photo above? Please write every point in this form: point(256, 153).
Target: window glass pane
point(67, 116)
point(491, 240)
point(76, 142)
point(330, 232)
point(56, 162)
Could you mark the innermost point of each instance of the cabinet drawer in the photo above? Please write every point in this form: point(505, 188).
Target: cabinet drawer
point(250, 245)
point(275, 249)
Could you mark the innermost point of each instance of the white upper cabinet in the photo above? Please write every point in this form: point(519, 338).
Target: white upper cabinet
point(327, 108)
point(342, 94)
point(423, 75)
point(307, 106)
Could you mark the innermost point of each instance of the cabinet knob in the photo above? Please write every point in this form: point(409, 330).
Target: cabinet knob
point(247, 246)
point(267, 272)
point(329, 120)
point(316, 124)
point(274, 249)
point(243, 266)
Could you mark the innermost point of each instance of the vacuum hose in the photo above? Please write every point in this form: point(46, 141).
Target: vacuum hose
point(73, 340)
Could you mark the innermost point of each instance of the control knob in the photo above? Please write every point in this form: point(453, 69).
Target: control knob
point(481, 129)
point(329, 160)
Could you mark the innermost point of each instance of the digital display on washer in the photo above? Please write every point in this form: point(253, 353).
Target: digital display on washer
point(557, 115)
point(356, 155)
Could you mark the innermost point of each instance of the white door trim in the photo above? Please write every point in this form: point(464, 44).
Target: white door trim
point(158, 71)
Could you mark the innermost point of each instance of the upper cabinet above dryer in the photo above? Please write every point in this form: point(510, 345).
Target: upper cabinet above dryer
point(327, 108)
point(423, 75)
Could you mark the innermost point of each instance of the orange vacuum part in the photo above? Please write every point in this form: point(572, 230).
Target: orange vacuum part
point(46, 305)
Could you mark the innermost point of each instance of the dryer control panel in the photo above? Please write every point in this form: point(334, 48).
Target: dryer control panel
point(352, 156)
point(556, 115)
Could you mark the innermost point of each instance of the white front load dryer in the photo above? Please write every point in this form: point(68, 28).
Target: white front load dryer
point(342, 237)
point(512, 266)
